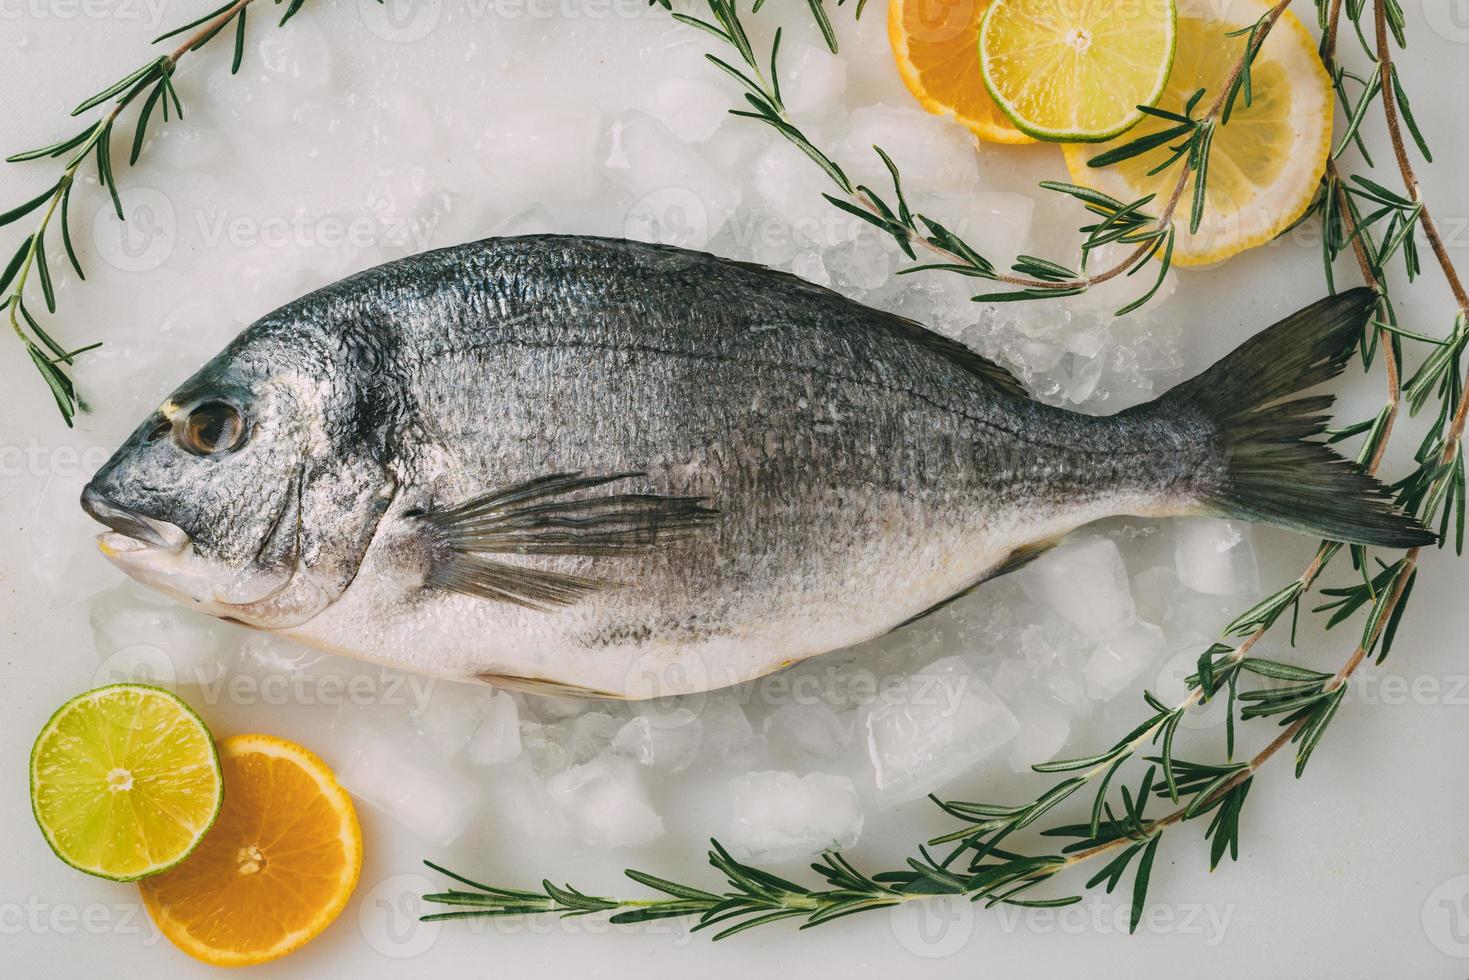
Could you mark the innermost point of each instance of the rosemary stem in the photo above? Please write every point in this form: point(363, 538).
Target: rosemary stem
point(1405, 165)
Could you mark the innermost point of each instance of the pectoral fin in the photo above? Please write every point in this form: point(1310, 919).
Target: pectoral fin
point(546, 517)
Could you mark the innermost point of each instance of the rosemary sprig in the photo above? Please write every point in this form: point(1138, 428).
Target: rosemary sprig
point(152, 83)
point(1152, 236)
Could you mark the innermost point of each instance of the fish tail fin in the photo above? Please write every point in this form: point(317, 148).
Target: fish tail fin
point(1269, 466)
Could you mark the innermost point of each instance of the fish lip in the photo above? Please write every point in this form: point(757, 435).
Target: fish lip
point(131, 528)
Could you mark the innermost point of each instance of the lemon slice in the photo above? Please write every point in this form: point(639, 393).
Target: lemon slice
point(124, 781)
point(1076, 70)
point(1264, 164)
point(936, 46)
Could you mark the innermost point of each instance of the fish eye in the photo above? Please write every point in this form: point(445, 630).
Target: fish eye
point(211, 429)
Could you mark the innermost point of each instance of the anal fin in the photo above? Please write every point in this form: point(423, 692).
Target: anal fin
point(1019, 558)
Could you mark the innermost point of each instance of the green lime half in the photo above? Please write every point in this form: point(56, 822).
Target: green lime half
point(125, 780)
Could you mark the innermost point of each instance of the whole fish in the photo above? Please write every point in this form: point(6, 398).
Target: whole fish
point(603, 467)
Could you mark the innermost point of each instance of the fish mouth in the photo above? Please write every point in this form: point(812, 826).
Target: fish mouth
point(132, 530)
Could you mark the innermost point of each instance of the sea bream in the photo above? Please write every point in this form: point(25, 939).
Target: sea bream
point(604, 467)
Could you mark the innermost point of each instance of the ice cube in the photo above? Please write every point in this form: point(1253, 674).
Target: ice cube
point(497, 737)
point(813, 78)
point(265, 655)
point(1195, 616)
point(1154, 588)
point(519, 795)
point(861, 265)
point(668, 743)
point(543, 747)
point(944, 721)
point(1121, 657)
point(779, 816)
point(1010, 675)
point(452, 713)
point(551, 710)
point(1044, 727)
point(304, 57)
point(391, 770)
point(925, 148)
point(144, 637)
point(1085, 582)
point(691, 108)
point(727, 732)
point(185, 148)
point(680, 197)
point(996, 224)
point(1214, 556)
point(789, 186)
point(810, 267)
point(605, 803)
point(805, 733)
point(588, 736)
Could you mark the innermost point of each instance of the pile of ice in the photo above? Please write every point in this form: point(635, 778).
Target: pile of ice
point(528, 134)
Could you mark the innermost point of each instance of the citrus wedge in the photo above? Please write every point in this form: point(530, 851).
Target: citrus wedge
point(1076, 70)
point(124, 781)
point(279, 864)
point(936, 45)
point(1264, 164)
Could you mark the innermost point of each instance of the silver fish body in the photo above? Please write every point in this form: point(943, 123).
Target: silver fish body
point(601, 466)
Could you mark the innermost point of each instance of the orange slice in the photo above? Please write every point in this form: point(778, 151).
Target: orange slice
point(936, 44)
point(275, 869)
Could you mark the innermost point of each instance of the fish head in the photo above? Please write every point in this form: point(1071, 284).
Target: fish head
point(237, 496)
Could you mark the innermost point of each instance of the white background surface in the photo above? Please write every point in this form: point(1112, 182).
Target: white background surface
point(1342, 874)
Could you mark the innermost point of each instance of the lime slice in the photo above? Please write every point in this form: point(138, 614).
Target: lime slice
point(125, 780)
point(1265, 164)
point(1073, 71)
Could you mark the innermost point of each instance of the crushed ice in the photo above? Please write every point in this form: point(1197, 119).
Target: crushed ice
point(527, 134)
